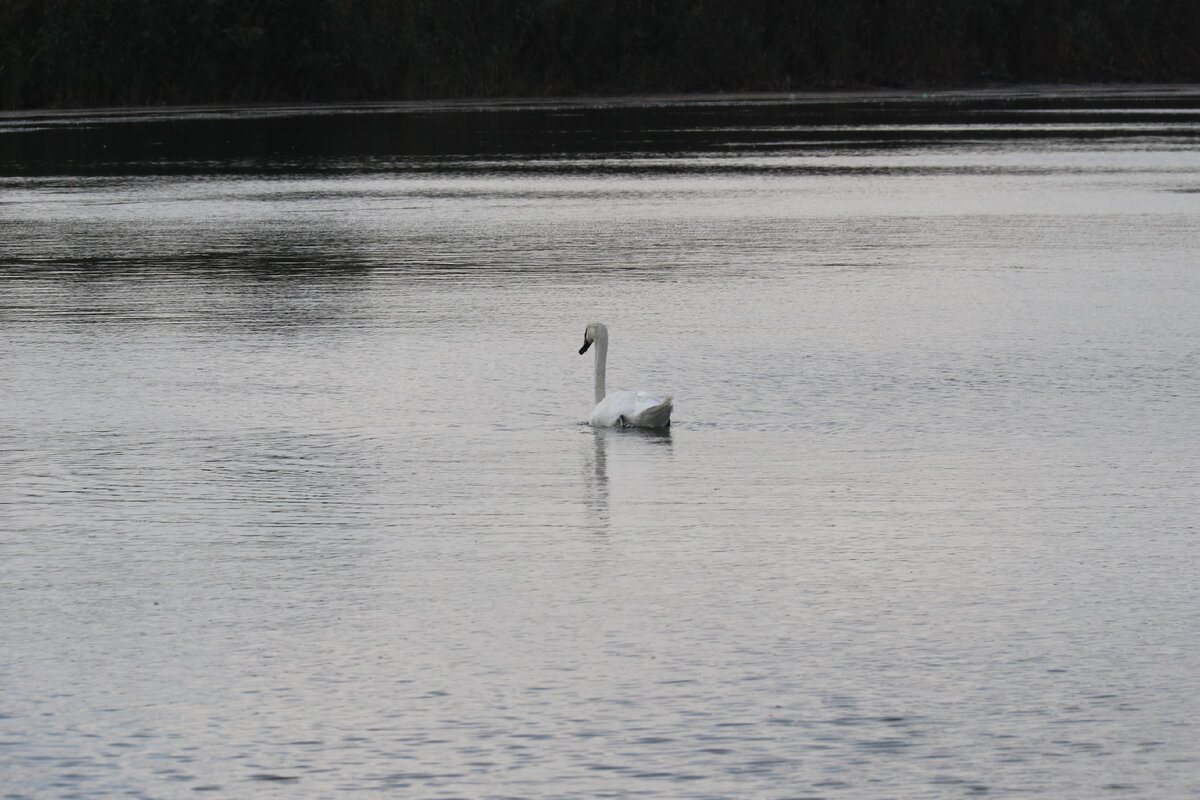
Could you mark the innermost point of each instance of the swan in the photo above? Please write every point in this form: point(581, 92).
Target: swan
point(624, 408)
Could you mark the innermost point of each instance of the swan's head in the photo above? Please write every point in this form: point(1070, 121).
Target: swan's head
point(594, 331)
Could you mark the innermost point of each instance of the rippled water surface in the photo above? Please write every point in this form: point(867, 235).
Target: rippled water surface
point(297, 498)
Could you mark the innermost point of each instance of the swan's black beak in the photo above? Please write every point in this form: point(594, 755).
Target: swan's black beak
point(586, 345)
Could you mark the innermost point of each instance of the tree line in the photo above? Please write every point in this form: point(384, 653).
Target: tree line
point(65, 53)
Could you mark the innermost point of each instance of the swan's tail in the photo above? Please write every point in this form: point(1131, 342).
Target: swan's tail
point(658, 416)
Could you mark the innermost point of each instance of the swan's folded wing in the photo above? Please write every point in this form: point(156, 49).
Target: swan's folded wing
point(647, 400)
point(654, 411)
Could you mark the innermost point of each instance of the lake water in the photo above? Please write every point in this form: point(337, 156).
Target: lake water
point(297, 498)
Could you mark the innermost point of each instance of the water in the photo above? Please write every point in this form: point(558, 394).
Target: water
point(297, 499)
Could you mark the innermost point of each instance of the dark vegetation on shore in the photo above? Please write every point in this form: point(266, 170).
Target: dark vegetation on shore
point(64, 53)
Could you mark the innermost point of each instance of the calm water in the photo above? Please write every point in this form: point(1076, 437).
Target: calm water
point(297, 500)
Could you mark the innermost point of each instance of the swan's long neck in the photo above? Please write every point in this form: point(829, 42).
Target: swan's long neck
point(601, 360)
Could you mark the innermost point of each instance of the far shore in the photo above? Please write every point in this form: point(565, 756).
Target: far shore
point(991, 93)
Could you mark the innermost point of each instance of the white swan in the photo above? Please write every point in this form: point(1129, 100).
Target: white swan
point(624, 408)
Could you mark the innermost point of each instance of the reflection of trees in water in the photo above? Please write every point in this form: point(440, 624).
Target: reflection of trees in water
point(290, 277)
point(261, 275)
point(564, 137)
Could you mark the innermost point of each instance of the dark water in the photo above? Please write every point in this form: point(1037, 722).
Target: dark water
point(296, 500)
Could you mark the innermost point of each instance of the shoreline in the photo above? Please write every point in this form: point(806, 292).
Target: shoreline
point(982, 94)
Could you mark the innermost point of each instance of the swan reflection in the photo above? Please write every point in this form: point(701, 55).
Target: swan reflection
point(596, 480)
point(596, 483)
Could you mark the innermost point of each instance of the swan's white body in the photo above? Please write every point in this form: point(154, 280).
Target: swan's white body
point(636, 409)
point(624, 408)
